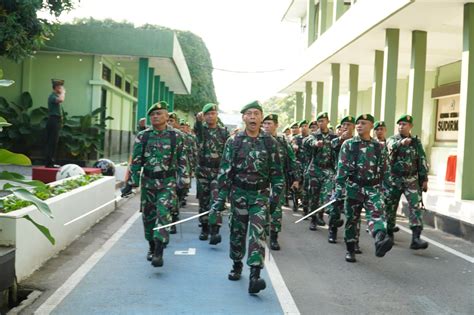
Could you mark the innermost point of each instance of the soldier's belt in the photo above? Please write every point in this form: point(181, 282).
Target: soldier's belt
point(403, 173)
point(325, 165)
point(160, 175)
point(211, 163)
point(364, 182)
point(250, 186)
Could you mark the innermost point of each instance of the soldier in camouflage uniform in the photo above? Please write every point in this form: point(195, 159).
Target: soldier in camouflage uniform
point(313, 126)
point(160, 152)
point(191, 148)
point(295, 130)
point(360, 170)
point(408, 176)
point(380, 130)
point(319, 174)
point(346, 127)
point(303, 160)
point(290, 172)
point(211, 140)
point(338, 130)
point(287, 133)
point(249, 167)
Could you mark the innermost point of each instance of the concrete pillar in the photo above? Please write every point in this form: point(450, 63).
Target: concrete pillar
point(377, 84)
point(171, 100)
point(389, 79)
point(319, 96)
point(151, 76)
point(334, 97)
point(322, 18)
point(465, 155)
point(353, 88)
point(166, 95)
point(162, 91)
point(311, 22)
point(416, 82)
point(299, 106)
point(142, 88)
point(308, 105)
point(156, 89)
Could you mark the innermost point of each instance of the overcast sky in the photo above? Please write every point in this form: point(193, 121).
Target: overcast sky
point(243, 35)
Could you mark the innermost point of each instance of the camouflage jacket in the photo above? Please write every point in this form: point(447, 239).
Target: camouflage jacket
point(323, 157)
point(210, 143)
point(250, 164)
point(159, 160)
point(288, 158)
point(300, 153)
point(191, 149)
point(361, 167)
point(336, 144)
point(409, 160)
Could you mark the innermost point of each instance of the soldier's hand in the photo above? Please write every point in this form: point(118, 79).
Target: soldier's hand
point(295, 147)
point(424, 186)
point(406, 141)
point(319, 143)
point(295, 185)
point(200, 116)
point(126, 190)
point(345, 135)
point(336, 195)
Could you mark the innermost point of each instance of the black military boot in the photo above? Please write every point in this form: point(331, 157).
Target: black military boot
point(350, 255)
point(157, 259)
point(236, 271)
point(274, 241)
point(149, 255)
point(332, 235)
point(305, 211)
point(175, 218)
point(357, 248)
point(319, 219)
point(204, 232)
point(312, 224)
point(383, 244)
point(416, 242)
point(215, 236)
point(256, 284)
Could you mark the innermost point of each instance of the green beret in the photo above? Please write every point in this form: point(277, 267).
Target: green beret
point(272, 117)
point(349, 119)
point(368, 117)
point(406, 118)
point(209, 107)
point(254, 104)
point(182, 122)
point(303, 122)
point(322, 115)
point(314, 122)
point(338, 126)
point(174, 116)
point(287, 127)
point(379, 124)
point(293, 125)
point(159, 105)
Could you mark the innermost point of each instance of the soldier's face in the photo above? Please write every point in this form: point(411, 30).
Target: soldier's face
point(323, 123)
point(252, 119)
point(295, 131)
point(182, 128)
point(339, 131)
point(159, 118)
point(287, 132)
point(173, 123)
point(363, 127)
point(347, 126)
point(314, 127)
point(304, 129)
point(404, 128)
point(211, 117)
point(380, 132)
point(269, 126)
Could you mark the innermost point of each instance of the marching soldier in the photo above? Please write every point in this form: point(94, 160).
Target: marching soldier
point(380, 130)
point(302, 159)
point(159, 151)
point(211, 138)
point(338, 130)
point(319, 174)
point(191, 148)
point(295, 130)
point(290, 171)
point(313, 126)
point(359, 173)
point(287, 133)
point(249, 167)
point(408, 176)
point(346, 127)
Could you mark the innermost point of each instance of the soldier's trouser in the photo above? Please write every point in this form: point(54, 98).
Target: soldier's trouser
point(156, 207)
point(320, 188)
point(277, 215)
point(373, 205)
point(410, 188)
point(248, 212)
point(207, 192)
point(334, 212)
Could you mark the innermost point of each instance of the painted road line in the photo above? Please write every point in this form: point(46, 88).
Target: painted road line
point(287, 303)
point(443, 247)
point(50, 304)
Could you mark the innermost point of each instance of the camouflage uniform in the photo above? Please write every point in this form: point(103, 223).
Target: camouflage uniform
point(319, 174)
point(211, 143)
point(302, 160)
point(335, 210)
point(360, 171)
point(164, 169)
point(192, 151)
point(408, 168)
point(246, 173)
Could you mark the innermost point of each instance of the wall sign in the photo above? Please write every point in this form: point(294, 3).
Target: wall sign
point(447, 118)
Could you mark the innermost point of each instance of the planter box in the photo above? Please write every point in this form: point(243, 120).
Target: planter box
point(7, 267)
point(32, 248)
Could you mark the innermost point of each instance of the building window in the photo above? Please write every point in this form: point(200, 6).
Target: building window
point(135, 91)
point(106, 73)
point(118, 81)
point(128, 87)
